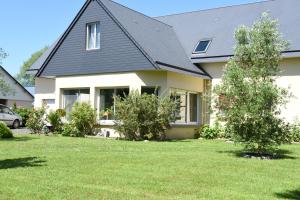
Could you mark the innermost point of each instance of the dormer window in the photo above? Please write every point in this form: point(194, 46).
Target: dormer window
point(202, 46)
point(93, 36)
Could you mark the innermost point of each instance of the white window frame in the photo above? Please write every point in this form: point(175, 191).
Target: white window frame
point(203, 40)
point(103, 121)
point(95, 36)
point(187, 112)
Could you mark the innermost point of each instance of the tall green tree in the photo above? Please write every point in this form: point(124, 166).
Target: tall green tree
point(4, 87)
point(249, 100)
point(27, 79)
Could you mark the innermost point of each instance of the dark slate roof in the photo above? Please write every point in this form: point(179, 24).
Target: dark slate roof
point(219, 25)
point(168, 41)
point(37, 65)
point(155, 39)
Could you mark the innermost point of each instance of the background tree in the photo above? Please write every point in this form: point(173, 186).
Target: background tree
point(27, 79)
point(4, 87)
point(248, 97)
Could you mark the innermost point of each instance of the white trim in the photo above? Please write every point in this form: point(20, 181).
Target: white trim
point(96, 24)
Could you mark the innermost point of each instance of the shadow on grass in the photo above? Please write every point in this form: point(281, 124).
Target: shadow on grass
point(279, 155)
point(292, 194)
point(21, 162)
point(20, 139)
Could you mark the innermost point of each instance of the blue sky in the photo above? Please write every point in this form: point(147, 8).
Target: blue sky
point(29, 25)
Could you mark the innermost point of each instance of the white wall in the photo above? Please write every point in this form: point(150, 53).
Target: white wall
point(19, 94)
point(289, 78)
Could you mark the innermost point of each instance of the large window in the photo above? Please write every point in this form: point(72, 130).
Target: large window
point(74, 95)
point(187, 106)
point(150, 90)
point(107, 101)
point(93, 36)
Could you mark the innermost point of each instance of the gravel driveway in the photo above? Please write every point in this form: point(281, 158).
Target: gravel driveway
point(21, 131)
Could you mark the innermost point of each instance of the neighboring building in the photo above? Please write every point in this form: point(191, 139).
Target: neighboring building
point(18, 95)
point(109, 49)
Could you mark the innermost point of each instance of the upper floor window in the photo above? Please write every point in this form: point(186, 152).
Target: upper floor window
point(93, 36)
point(202, 46)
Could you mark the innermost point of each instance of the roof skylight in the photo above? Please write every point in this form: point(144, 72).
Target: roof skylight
point(202, 46)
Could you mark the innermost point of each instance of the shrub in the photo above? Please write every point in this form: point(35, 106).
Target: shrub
point(70, 131)
point(295, 132)
point(55, 119)
point(23, 112)
point(5, 132)
point(36, 120)
point(83, 118)
point(144, 116)
point(212, 132)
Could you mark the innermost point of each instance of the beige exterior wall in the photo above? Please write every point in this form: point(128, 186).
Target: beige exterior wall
point(289, 78)
point(53, 88)
point(24, 104)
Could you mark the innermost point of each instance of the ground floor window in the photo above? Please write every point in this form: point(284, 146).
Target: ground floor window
point(107, 101)
point(150, 90)
point(70, 96)
point(187, 106)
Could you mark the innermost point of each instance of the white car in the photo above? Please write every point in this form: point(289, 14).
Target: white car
point(9, 117)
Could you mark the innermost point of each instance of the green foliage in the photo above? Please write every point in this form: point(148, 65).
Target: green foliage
point(212, 132)
point(23, 112)
point(55, 119)
point(83, 118)
point(5, 132)
point(27, 79)
point(295, 132)
point(144, 116)
point(248, 98)
point(36, 120)
point(70, 131)
point(4, 87)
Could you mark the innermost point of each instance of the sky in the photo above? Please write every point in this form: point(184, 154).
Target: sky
point(27, 26)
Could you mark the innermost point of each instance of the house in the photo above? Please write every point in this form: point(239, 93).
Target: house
point(18, 95)
point(110, 49)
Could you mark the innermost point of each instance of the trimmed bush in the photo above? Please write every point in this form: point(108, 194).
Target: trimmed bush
point(5, 132)
point(70, 131)
point(23, 112)
point(295, 132)
point(145, 116)
point(55, 119)
point(83, 118)
point(36, 120)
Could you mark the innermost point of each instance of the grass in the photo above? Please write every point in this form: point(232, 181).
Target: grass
point(39, 167)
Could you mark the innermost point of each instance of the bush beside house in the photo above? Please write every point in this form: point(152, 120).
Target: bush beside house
point(140, 117)
point(5, 132)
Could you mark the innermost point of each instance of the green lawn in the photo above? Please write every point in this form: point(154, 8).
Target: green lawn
point(33, 167)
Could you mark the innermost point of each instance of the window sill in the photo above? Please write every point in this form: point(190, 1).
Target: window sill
point(189, 124)
point(107, 122)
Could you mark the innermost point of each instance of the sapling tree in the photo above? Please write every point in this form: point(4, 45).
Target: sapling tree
point(4, 87)
point(249, 100)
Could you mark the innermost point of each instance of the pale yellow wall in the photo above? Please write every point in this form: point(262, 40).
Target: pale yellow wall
point(23, 104)
point(185, 82)
point(181, 132)
point(52, 88)
point(289, 78)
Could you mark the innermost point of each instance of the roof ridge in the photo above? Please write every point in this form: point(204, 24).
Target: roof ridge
point(217, 8)
point(153, 18)
point(18, 83)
